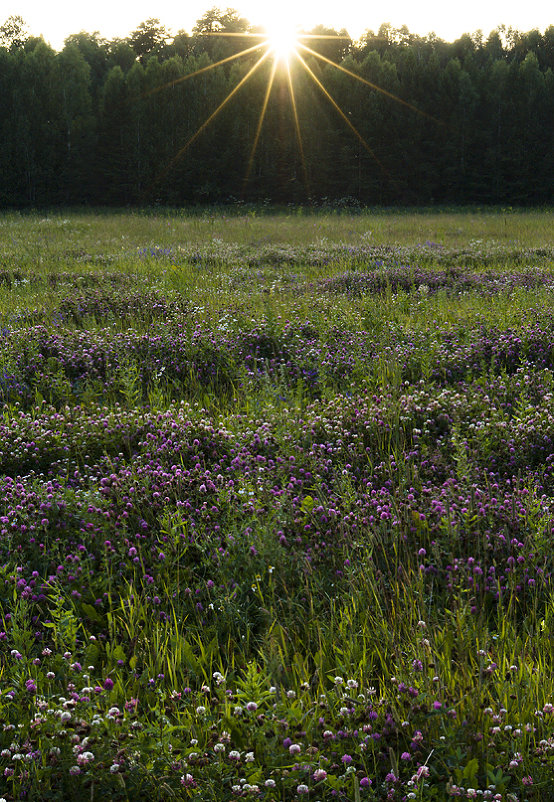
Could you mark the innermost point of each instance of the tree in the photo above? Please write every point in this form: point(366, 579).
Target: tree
point(149, 38)
point(94, 50)
point(121, 54)
point(209, 33)
point(217, 21)
point(77, 122)
point(35, 121)
point(332, 45)
point(182, 44)
point(13, 33)
point(114, 143)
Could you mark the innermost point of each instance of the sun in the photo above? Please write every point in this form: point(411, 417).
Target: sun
point(282, 39)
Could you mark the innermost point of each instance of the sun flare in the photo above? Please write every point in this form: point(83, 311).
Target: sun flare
point(281, 43)
point(282, 38)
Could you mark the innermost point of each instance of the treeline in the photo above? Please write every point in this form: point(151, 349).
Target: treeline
point(120, 122)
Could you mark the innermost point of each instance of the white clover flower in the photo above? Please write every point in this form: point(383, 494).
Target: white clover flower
point(200, 710)
point(352, 684)
point(219, 747)
point(114, 768)
point(249, 757)
point(320, 774)
point(338, 680)
point(84, 758)
point(234, 755)
point(268, 784)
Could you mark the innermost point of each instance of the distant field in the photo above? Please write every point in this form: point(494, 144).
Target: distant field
point(276, 505)
point(117, 231)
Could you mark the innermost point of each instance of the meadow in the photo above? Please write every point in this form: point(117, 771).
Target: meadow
point(276, 507)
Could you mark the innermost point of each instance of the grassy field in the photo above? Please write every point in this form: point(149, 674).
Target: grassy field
point(276, 511)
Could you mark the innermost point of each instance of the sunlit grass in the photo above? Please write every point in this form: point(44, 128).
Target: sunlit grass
point(61, 235)
point(263, 491)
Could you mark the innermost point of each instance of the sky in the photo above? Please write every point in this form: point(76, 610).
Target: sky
point(58, 18)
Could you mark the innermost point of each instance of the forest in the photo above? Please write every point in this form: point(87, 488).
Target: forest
point(405, 119)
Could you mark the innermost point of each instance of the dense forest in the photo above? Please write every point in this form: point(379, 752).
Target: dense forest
point(119, 122)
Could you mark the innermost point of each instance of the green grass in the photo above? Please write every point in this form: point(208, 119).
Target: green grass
point(59, 234)
point(273, 480)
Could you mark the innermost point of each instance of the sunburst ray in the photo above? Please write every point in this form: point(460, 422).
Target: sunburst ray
point(206, 69)
point(367, 83)
point(280, 58)
point(260, 123)
point(214, 114)
point(336, 106)
point(297, 126)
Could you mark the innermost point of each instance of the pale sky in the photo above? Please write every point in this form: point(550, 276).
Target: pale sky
point(58, 18)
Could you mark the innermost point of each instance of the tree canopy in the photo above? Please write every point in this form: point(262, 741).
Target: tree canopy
point(402, 119)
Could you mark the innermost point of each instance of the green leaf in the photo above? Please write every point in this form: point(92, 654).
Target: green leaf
point(91, 612)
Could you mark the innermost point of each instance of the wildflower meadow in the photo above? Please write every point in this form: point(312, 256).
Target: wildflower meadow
point(276, 509)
